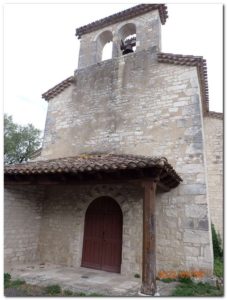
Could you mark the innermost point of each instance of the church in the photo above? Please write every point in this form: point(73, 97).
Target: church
point(129, 177)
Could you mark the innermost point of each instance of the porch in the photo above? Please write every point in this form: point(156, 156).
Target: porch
point(54, 229)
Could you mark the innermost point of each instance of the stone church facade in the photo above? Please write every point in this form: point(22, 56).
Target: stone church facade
point(135, 129)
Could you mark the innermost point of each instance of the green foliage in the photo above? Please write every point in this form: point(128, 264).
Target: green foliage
point(167, 280)
point(12, 283)
point(95, 295)
point(19, 141)
point(185, 280)
point(219, 267)
point(53, 290)
point(217, 248)
point(67, 293)
point(196, 289)
point(7, 278)
point(81, 294)
point(137, 275)
point(16, 283)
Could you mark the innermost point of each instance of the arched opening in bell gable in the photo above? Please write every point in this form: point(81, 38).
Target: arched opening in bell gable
point(127, 36)
point(104, 46)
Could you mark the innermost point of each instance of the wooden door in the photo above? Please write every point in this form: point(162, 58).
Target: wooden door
point(102, 244)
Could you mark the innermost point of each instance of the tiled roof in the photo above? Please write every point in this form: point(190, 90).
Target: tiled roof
point(122, 16)
point(57, 89)
point(216, 115)
point(190, 60)
point(107, 163)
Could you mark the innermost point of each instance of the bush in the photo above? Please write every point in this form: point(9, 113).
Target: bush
point(7, 278)
point(16, 283)
point(217, 248)
point(167, 280)
point(196, 289)
point(185, 280)
point(218, 267)
point(68, 293)
point(53, 289)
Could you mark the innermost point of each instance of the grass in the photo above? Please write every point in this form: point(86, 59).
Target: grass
point(219, 267)
point(167, 280)
point(190, 288)
point(34, 290)
point(53, 290)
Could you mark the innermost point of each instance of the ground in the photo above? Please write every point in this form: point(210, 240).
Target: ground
point(81, 281)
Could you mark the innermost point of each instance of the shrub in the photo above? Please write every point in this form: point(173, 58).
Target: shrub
point(68, 293)
point(7, 278)
point(218, 267)
point(167, 280)
point(185, 280)
point(16, 283)
point(53, 289)
point(217, 248)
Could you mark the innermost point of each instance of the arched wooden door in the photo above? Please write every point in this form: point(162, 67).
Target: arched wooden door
point(102, 243)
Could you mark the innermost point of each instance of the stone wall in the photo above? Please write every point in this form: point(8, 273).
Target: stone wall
point(214, 156)
point(22, 216)
point(48, 226)
point(61, 238)
point(160, 115)
point(106, 111)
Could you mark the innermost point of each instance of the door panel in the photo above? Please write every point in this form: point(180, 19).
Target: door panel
point(112, 241)
point(102, 245)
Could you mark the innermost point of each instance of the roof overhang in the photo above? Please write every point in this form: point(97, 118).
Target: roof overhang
point(95, 168)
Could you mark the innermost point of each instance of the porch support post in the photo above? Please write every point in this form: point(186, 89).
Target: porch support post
point(149, 252)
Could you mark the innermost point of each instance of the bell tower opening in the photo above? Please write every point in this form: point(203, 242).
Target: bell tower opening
point(127, 35)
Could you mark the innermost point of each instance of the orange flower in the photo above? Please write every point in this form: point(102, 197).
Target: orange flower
point(184, 274)
point(198, 274)
point(167, 274)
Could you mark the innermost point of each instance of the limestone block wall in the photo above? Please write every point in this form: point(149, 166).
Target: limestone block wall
point(135, 105)
point(213, 129)
point(61, 235)
point(22, 217)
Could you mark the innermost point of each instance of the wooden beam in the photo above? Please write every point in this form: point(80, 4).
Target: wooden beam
point(149, 231)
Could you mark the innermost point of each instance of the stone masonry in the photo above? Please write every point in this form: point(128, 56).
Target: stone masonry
point(213, 128)
point(22, 219)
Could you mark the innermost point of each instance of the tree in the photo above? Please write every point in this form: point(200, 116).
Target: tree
point(19, 141)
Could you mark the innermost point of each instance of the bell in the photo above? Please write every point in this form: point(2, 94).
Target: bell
point(128, 49)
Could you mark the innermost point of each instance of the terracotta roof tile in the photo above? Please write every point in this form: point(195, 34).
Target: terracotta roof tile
point(190, 60)
point(95, 163)
point(122, 16)
point(57, 89)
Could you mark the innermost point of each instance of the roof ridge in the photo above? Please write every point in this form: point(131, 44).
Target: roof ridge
point(122, 16)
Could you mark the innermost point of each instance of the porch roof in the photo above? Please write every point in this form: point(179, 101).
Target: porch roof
point(89, 167)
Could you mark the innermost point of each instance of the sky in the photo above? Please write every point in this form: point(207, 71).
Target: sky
point(40, 48)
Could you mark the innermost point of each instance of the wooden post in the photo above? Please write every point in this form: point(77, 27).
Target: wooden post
point(149, 252)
